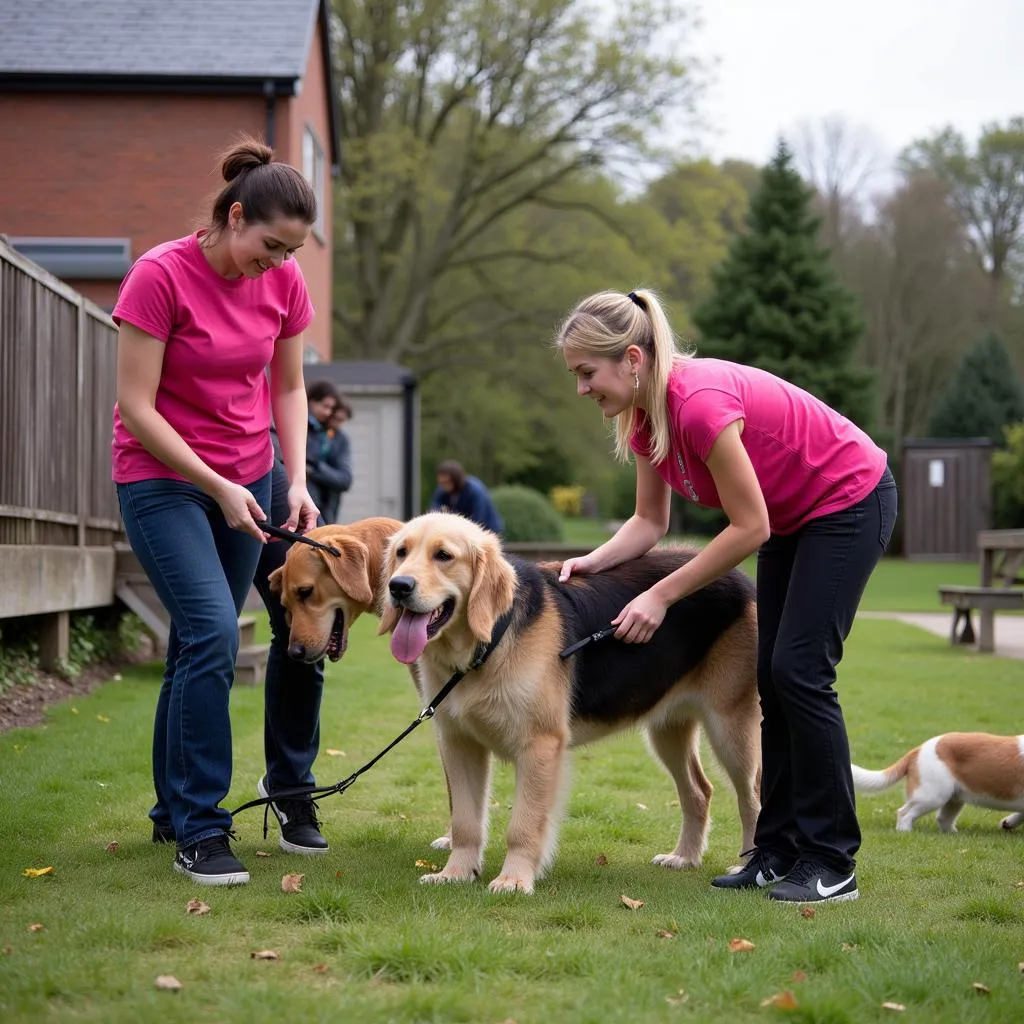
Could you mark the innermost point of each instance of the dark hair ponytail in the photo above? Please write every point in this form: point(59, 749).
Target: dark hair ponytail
point(265, 187)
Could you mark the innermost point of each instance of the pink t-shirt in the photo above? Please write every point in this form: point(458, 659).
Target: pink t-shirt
point(219, 335)
point(809, 460)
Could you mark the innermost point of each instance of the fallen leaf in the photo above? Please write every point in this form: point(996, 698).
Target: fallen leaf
point(320, 968)
point(1018, 885)
point(113, 847)
point(197, 907)
point(782, 1001)
point(37, 872)
point(740, 945)
point(8, 950)
point(262, 853)
point(600, 860)
point(799, 976)
point(899, 1007)
point(74, 711)
point(338, 874)
point(632, 904)
point(427, 864)
point(102, 718)
point(807, 912)
point(641, 807)
point(37, 927)
point(335, 753)
point(982, 990)
point(168, 983)
point(292, 883)
point(850, 947)
point(117, 677)
point(265, 954)
point(663, 934)
point(677, 1000)
point(1020, 967)
point(403, 817)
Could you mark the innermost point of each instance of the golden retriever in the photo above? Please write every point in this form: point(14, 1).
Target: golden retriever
point(449, 583)
point(323, 594)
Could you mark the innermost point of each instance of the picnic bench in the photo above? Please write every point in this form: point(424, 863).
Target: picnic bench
point(1001, 554)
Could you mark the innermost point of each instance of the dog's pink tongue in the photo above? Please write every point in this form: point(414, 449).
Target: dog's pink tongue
point(409, 636)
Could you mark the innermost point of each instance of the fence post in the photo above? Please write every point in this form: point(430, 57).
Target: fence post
point(84, 434)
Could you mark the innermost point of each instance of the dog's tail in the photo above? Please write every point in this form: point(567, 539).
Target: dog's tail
point(865, 781)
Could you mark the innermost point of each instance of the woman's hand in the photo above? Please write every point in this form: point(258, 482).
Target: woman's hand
point(241, 510)
point(302, 510)
point(581, 566)
point(640, 618)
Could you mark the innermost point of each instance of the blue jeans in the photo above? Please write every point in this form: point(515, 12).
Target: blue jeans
point(809, 585)
point(291, 733)
point(202, 570)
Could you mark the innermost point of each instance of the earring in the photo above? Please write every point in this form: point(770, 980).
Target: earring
point(636, 381)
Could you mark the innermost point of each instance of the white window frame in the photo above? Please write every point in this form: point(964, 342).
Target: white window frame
point(314, 169)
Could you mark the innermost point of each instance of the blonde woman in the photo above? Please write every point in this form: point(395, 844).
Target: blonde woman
point(802, 486)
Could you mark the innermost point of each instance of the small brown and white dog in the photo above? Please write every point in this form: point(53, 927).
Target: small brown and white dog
point(949, 771)
point(450, 584)
point(323, 593)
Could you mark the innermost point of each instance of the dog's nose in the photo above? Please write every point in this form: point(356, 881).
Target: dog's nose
point(297, 651)
point(401, 586)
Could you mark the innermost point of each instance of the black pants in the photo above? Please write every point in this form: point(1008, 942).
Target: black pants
point(291, 732)
point(808, 587)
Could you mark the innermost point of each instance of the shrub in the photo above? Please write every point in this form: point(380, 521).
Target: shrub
point(528, 515)
point(1008, 480)
point(568, 501)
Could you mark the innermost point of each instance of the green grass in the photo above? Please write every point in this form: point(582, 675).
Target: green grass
point(938, 912)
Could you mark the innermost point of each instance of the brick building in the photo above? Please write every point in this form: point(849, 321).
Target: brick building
point(113, 113)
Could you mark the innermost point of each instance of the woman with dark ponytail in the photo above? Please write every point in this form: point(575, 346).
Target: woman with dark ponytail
point(201, 319)
point(804, 488)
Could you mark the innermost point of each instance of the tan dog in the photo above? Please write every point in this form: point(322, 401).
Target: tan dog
point(323, 594)
point(449, 585)
point(951, 770)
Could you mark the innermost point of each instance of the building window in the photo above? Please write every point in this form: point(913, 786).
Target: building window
point(313, 169)
point(81, 259)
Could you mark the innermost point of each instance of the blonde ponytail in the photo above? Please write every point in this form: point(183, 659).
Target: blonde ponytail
point(605, 325)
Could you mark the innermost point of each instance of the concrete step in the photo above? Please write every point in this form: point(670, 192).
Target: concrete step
point(251, 664)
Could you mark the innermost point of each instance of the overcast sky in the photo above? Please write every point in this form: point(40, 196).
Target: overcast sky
point(899, 69)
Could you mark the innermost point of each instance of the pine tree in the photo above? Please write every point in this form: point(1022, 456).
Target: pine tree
point(777, 303)
point(984, 395)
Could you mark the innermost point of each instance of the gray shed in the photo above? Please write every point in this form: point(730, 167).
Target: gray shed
point(385, 435)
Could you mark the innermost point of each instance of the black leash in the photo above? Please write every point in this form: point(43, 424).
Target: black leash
point(481, 655)
point(282, 534)
point(599, 635)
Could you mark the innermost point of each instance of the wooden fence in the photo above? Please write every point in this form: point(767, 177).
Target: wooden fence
point(57, 389)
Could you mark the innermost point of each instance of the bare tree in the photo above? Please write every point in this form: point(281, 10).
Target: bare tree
point(841, 161)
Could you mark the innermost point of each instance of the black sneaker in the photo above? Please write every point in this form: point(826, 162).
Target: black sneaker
point(300, 827)
point(762, 869)
point(211, 862)
point(163, 833)
point(814, 883)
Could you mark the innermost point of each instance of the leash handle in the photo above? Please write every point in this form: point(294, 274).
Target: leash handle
point(282, 534)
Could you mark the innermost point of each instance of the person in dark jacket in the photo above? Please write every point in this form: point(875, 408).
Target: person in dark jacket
point(467, 495)
point(322, 398)
point(335, 471)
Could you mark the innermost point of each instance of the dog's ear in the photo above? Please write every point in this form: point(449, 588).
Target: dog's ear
point(493, 590)
point(276, 580)
point(389, 614)
point(351, 571)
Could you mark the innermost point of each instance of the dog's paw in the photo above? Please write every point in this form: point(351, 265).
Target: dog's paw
point(676, 863)
point(442, 877)
point(1011, 821)
point(442, 843)
point(507, 883)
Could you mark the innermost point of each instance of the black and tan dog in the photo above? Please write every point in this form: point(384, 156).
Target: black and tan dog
point(449, 583)
point(324, 593)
